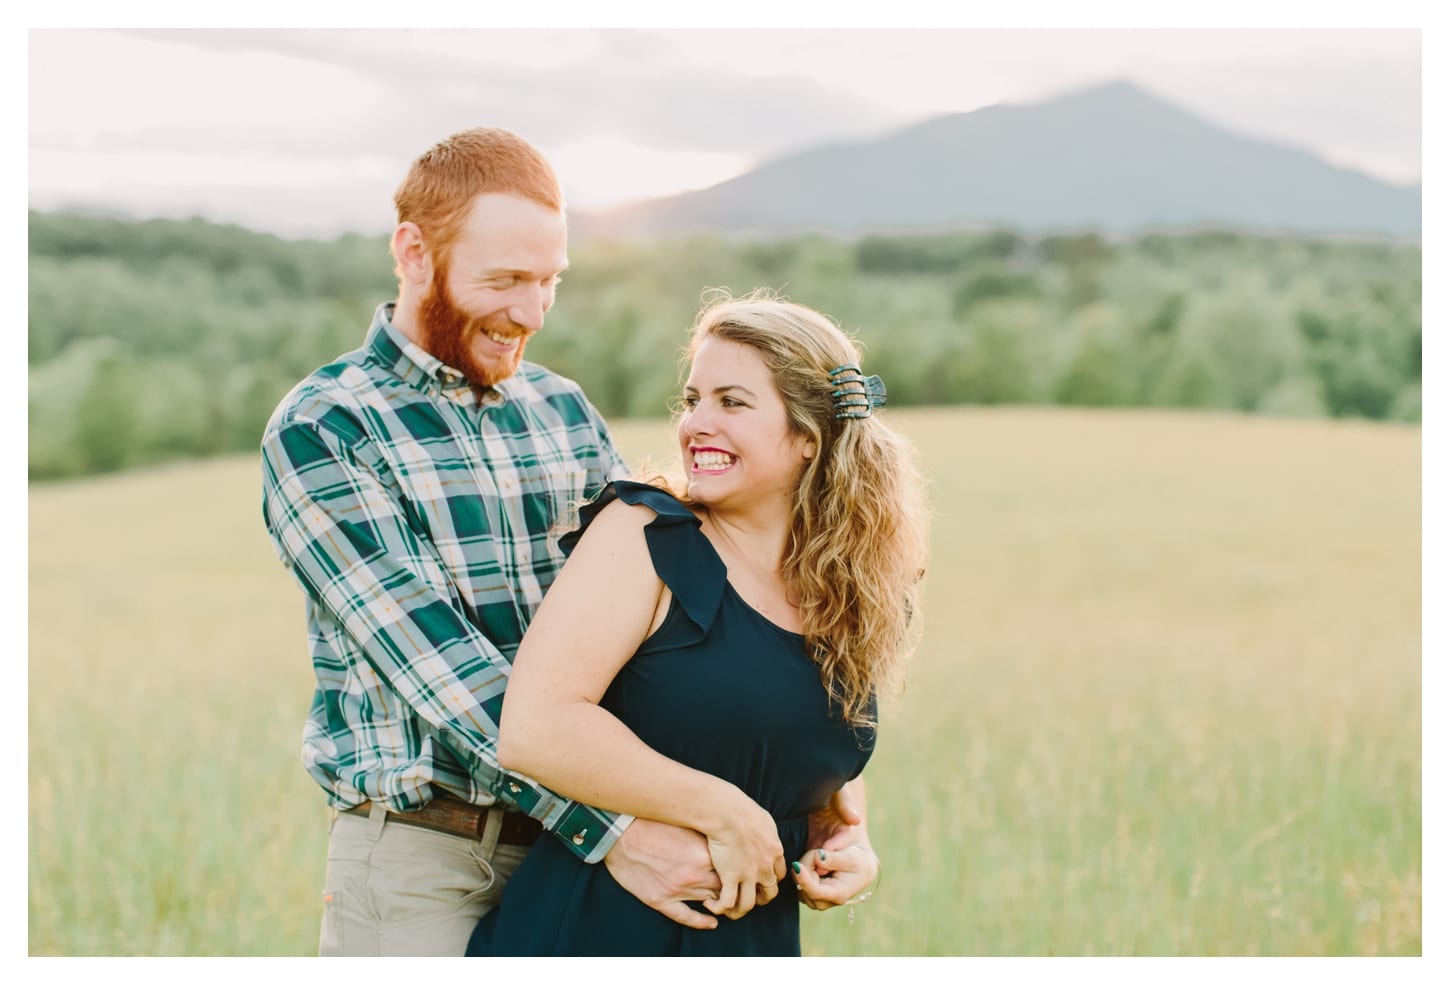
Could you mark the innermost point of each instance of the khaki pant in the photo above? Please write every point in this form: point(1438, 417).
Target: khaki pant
point(396, 889)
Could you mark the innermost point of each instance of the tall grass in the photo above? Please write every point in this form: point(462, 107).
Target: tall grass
point(1168, 702)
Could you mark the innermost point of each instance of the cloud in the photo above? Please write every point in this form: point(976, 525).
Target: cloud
point(133, 92)
point(355, 87)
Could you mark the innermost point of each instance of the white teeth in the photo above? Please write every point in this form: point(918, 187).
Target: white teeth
point(712, 460)
point(501, 339)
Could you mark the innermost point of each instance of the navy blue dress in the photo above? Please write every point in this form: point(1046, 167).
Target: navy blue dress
point(719, 688)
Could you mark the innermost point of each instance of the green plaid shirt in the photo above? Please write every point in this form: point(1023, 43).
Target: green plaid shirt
point(423, 529)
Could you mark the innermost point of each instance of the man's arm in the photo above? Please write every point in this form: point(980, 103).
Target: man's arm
point(354, 551)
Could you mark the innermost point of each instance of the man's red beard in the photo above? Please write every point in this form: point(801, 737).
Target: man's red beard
point(447, 332)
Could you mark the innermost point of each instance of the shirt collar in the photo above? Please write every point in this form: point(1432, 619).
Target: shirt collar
point(415, 366)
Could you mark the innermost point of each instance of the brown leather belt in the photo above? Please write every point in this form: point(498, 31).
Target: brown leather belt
point(457, 817)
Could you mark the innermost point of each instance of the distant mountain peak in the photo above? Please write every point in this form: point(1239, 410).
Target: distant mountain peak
point(1113, 97)
point(1109, 89)
point(1113, 156)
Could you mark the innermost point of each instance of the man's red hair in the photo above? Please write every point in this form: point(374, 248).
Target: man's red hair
point(446, 178)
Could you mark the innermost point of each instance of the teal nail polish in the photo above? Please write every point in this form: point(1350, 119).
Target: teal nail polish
point(822, 853)
point(795, 867)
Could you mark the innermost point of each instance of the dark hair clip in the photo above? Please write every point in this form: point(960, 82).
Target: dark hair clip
point(855, 395)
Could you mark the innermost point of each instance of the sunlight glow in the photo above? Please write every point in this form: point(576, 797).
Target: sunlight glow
point(603, 172)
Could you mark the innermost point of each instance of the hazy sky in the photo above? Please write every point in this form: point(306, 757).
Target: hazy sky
point(307, 132)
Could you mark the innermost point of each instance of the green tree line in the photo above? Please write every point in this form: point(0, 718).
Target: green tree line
point(164, 339)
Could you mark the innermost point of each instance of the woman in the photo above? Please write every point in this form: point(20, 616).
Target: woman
point(712, 659)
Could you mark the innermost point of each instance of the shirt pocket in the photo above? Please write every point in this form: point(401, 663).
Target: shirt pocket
point(566, 496)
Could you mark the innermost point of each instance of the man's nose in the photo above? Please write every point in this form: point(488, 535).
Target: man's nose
point(529, 307)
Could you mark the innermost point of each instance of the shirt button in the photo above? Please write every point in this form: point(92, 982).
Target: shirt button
point(579, 838)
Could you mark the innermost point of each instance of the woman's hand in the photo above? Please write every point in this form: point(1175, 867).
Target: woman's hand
point(841, 820)
point(746, 852)
point(830, 878)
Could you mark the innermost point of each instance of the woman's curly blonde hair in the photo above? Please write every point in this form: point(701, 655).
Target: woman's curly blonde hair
point(856, 548)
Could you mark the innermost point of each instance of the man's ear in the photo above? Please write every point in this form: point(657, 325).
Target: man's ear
point(415, 265)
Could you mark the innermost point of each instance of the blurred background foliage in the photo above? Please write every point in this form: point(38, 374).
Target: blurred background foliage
point(162, 339)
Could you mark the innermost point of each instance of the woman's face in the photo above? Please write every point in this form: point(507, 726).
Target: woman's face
point(738, 449)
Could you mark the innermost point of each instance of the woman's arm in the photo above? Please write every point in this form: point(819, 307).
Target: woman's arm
point(600, 609)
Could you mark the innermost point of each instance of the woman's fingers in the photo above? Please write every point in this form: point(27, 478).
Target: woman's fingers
point(745, 896)
point(767, 891)
point(750, 873)
point(734, 904)
point(829, 878)
point(808, 883)
point(725, 904)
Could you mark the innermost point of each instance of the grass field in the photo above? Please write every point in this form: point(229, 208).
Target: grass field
point(1168, 702)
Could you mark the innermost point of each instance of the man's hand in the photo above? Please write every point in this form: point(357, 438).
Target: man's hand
point(663, 866)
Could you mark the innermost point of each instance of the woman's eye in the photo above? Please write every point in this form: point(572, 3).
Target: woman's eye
point(691, 401)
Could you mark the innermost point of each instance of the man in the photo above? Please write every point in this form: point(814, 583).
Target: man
point(416, 488)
